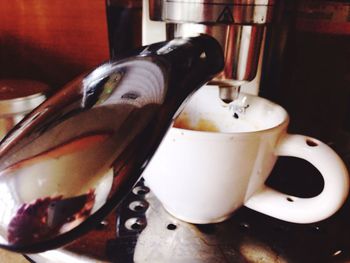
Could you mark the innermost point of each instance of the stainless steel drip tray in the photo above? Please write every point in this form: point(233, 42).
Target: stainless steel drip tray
point(142, 231)
point(246, 237)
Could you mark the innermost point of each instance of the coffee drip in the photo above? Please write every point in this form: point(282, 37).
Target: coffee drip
point(73, 159)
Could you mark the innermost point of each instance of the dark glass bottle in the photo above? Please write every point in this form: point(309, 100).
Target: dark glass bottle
point(76, 156)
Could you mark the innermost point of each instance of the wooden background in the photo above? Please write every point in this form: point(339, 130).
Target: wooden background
point(51, 41)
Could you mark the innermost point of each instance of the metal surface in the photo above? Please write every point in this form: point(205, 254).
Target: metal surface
point(246, 237)
point(239, 27)
point(147, 233)
point(17, 98)
point(241, 45)
point(69, 162)
point(212, 11)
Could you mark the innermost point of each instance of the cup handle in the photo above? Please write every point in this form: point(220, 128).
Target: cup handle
point(306, 210)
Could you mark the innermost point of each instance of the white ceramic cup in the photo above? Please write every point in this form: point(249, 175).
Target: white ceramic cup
point(204, 176)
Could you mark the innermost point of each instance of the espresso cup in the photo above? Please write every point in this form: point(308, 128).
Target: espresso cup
point(216, 158)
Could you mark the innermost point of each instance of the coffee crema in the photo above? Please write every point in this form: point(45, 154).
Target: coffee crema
point(227, 124)
point(184, 122)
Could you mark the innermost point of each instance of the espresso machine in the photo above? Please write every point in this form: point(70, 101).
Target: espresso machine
point(260, 40)
point(239, 26)
point(140, 230)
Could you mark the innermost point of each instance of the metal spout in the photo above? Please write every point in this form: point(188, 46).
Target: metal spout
point(238, 25)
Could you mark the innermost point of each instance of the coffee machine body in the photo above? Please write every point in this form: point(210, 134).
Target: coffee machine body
point(239, 26)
